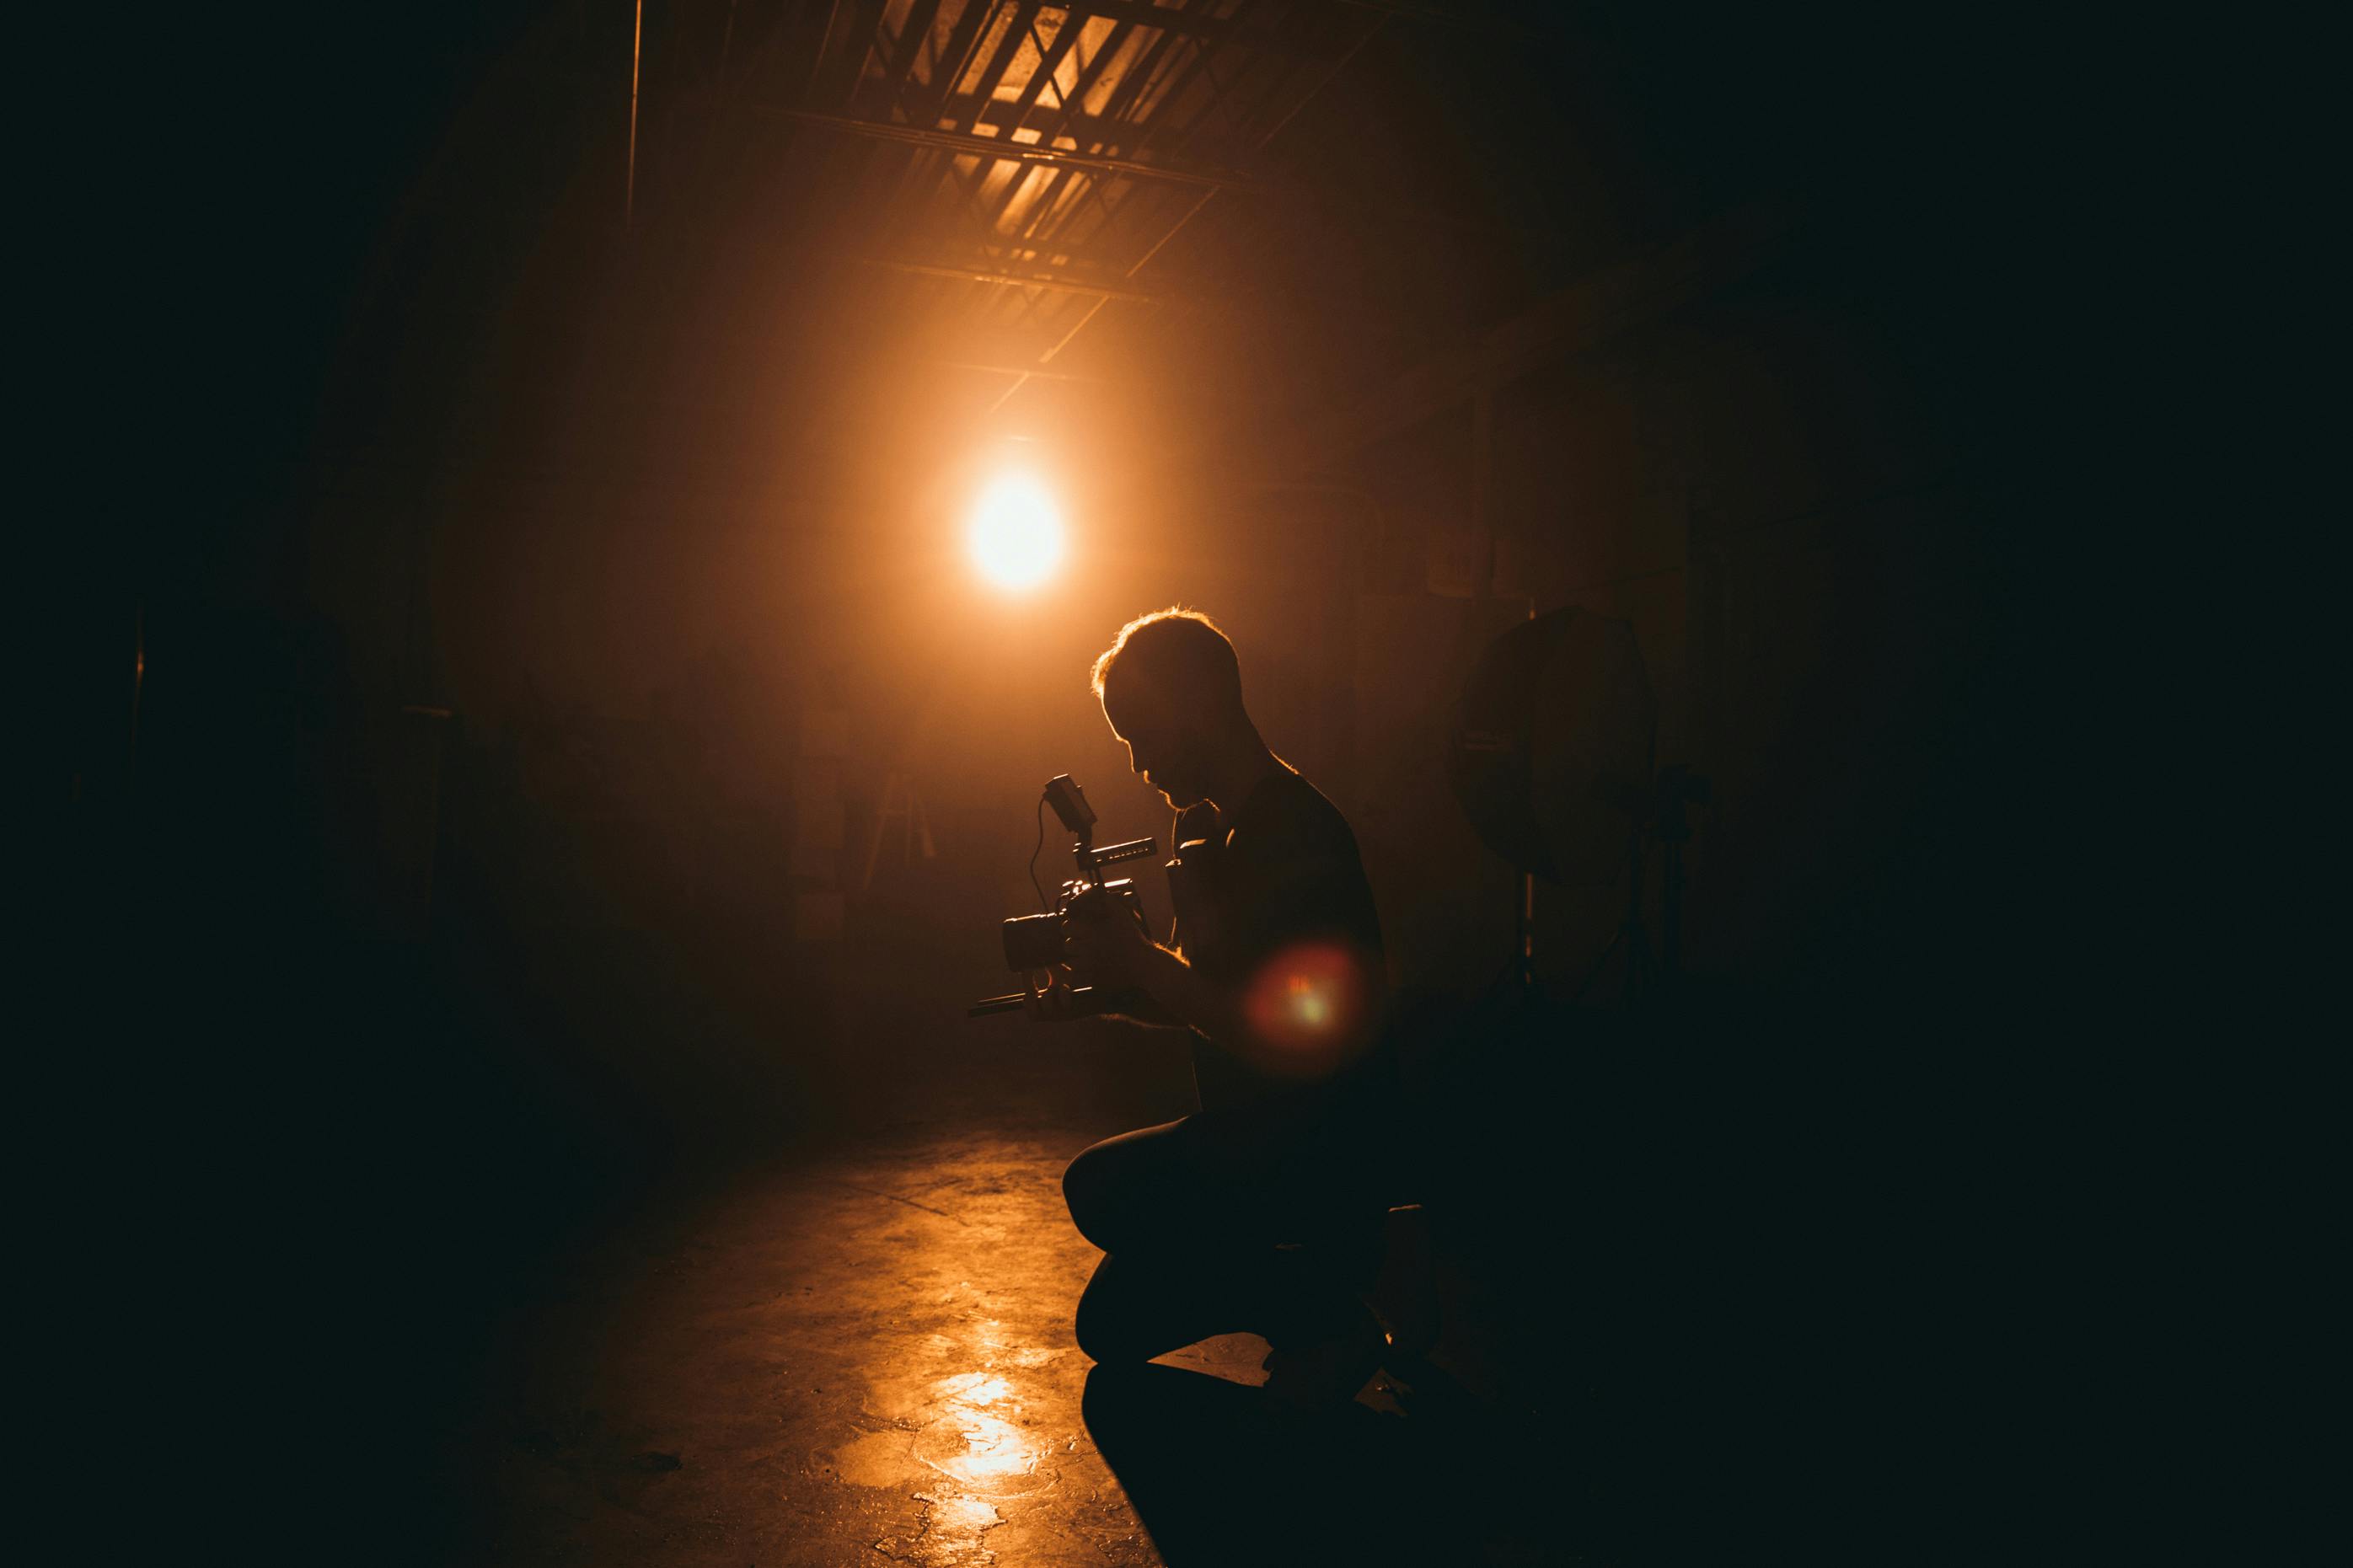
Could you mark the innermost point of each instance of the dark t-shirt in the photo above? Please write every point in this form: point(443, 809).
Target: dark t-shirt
point(1289, 881)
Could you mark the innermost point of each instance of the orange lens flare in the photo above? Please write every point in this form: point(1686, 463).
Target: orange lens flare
point(1308, 1008)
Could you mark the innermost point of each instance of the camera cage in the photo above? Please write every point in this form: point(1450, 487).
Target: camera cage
point(1070, 804)
point(1034, 942)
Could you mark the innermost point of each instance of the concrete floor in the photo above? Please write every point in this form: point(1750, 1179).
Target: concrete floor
point(865, 1356)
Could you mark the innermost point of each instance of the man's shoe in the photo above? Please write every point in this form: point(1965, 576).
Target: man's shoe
point(1324, 1374)
point(1404, 1299)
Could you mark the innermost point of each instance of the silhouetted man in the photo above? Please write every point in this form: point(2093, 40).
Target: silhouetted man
point(1263, 1212)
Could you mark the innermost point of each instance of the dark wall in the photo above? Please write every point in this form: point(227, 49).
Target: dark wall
point(1768, 489)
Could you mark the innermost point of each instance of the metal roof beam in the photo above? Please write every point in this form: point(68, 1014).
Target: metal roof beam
point(1063, 283)
point(1244, 31)
point(1018, 152)
point(1200, 178)
point(1039, 372)
point(1005, 49)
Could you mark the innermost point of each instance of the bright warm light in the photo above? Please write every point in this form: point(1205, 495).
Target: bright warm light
point(1017, 532)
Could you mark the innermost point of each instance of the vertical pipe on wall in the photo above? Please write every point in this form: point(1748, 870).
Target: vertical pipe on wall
point(138, 687)
point(1482, 520)
point(636, 52)
point(1482, 480)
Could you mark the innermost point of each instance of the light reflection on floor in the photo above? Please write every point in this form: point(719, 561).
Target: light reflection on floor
point(873, 1358)
point(974, 1434)
point(987, 1450)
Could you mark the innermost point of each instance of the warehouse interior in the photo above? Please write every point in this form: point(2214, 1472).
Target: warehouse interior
point(543, 766)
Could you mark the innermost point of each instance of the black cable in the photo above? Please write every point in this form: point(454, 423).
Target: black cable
point(1175, 820)
point(1034, 884)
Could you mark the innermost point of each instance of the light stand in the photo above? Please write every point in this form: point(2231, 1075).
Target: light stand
point(1662, 816)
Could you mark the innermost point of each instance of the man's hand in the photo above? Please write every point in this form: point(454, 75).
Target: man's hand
point(1049, 993)
point(1132, 976)
point(1107, 943)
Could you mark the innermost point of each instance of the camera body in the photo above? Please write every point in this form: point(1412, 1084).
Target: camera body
point(1035, 941)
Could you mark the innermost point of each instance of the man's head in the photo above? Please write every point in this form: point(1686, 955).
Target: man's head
point(1172, 689)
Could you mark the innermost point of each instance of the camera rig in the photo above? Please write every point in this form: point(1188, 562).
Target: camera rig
point(1034, 941)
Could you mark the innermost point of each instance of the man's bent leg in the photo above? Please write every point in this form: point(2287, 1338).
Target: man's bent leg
point(1145, 1190)
point(1193, 1224)
point(1137, 1308)
point(1193, 1184)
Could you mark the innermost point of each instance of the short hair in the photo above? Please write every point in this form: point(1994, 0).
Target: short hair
point(1178, 651)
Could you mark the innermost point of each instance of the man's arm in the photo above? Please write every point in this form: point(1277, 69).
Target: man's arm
point(1190, 997)
point(1054, 999)
point(1310, 1007)
point(1112, 950)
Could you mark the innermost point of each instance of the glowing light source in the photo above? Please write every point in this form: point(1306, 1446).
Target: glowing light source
point(1015, 532)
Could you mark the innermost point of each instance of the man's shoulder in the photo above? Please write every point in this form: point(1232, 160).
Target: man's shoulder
point(1285, 807)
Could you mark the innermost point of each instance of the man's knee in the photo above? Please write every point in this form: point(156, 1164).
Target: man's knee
point(1095, 1329)
point(1098, 1188)
point(1107, 1324)
point(1083, 1193)
point(1117, 1190)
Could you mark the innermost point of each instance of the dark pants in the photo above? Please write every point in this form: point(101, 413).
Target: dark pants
point(1213, 1227)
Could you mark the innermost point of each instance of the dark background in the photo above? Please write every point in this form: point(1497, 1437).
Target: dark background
point(535, 608)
